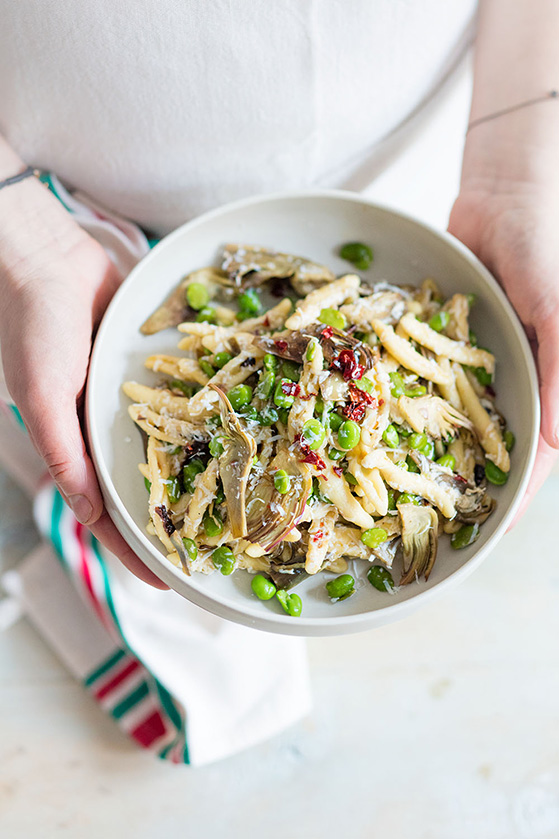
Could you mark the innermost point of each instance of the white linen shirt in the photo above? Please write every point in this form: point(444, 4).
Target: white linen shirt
point(161, 110)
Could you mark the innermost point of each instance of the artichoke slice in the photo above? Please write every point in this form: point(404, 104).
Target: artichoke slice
point(271, 515)
point(174, 309)
point(235, 464)
point(292, 345)
point(248, 266)
point(473, 504)
point(420, 527)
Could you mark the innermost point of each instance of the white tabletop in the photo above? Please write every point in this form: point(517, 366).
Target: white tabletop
point(443, 726)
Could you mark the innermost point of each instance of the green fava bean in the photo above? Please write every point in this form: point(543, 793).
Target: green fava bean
point(407, 498)
point(311, 349)
point(173, 489)
point(374, 537)
point(268, 415)
point(270, 361)
point(206, 368)
point(381, 578)
point(249, 303)
point(391, 437)
point(429, 449)
point(189, 473)
point(191, 548)
point(447, 460)
point(495, 475)
point(223, 559)
point(335, 454)
point(221, 359)
point(439, 321)
point(397, 385)
point(239, 396)
point(147, 484)
point(331, 317)
point(290, 370)
point(216, 447)
point(341, 588)
point(415, 390)
point(358, 254)
point(197, 296)
point(282, 394)
point(481, 374)
point(282, 481)
point(313, 434)
point(263, 588)
point(335, 420)
point(291, 603)
point(349, 435)
point(213, 525)
point(265, 386)
point(177, 384)
point(417, 441)
point(467, 535)
point(412, 465)
point(206, 315)
point(509, 440)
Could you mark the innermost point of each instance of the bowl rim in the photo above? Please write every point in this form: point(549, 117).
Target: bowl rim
point(247, 615)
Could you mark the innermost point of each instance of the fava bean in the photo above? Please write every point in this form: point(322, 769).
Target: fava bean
point(467, 535)
point(223, 559)
point(197, 296)
point(381, 578)
point(341, 588)
point(358, 254)
point(263, 588)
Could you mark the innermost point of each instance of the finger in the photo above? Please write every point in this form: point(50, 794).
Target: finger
point(548, 364)
point(545, 459)
point(55, 431)
point(108, 535)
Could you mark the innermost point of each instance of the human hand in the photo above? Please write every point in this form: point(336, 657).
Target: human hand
point(55, 284)
point(512, 227)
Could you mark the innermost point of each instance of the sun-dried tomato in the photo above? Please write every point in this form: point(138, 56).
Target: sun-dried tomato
point(281, 345)
point(308, 455)
point(290, 388)
point(346, 362)
point(327, 332)
point(338, 470)
point(316, 537)
point(357, 405)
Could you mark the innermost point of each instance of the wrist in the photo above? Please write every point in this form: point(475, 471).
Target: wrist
point(516, 149)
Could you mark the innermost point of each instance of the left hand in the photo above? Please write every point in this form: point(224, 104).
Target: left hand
point(512, 228)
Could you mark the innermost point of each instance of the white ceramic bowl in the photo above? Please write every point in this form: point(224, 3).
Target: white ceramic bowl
point(313, 225)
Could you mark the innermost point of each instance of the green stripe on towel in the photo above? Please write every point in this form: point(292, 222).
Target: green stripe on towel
point(131, 700)
point(103, 668)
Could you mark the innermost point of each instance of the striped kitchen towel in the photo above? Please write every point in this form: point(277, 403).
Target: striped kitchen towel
point(179, 681)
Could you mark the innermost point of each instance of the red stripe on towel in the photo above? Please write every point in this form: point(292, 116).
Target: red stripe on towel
point(150, 730)
point(86, 575)
point(108, 687)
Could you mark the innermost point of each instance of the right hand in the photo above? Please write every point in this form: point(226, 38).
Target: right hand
point(55, 283)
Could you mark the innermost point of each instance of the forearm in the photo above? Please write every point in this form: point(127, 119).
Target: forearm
point(516, 59)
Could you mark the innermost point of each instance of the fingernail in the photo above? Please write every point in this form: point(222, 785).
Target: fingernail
point(81, 508)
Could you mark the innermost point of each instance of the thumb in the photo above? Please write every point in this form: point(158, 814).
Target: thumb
point(548, 364)
point(53, 425)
